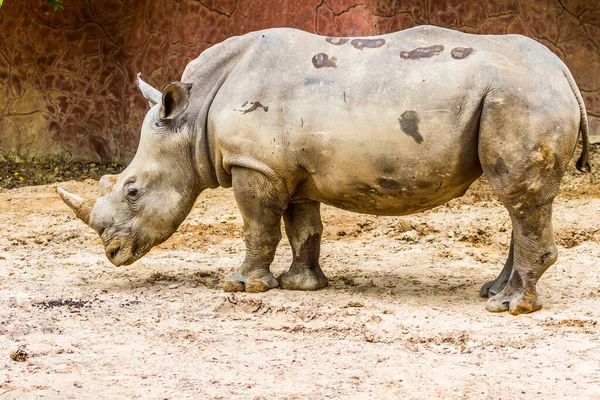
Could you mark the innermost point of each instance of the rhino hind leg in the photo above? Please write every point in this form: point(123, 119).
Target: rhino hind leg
point(525, 145)
point(534, 251)
point(494, 287)
point(304, 229)
point(261, 202)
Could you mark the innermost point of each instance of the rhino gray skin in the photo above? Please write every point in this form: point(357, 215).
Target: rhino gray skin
point(387, 125)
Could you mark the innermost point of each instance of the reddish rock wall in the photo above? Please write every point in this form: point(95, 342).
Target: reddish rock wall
point(67, 77)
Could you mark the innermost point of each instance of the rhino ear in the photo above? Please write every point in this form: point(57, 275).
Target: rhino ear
point(107, 182)
point(149, 93)
point(175, 99)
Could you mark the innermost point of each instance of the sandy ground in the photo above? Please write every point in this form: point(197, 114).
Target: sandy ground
point(401, 318)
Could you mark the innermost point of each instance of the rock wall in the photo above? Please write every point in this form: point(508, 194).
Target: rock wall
point(67, 77)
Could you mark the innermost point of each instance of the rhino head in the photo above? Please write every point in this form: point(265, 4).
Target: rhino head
point(142, 206)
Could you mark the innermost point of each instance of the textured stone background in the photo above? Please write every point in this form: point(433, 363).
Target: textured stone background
point(67, 77)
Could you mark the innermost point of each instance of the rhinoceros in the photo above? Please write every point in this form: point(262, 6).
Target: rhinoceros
point(386, 125)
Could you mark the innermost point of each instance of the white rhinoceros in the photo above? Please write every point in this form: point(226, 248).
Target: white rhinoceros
point(387, 125)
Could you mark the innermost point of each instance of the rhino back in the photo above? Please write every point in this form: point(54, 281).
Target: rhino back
point(384, 125)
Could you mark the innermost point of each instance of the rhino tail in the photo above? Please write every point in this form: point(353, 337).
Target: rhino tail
point(582, 164)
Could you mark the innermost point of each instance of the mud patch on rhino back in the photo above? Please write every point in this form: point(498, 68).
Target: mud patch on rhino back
point(459, 53)
point(337, 41)
point(367, 43)
point(409, 123)
point(422, 52)
point(322, 60)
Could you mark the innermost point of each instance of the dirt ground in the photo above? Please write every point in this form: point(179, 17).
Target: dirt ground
point(402, 317)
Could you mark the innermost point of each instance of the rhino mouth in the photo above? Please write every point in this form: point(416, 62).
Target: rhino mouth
point(124, 253)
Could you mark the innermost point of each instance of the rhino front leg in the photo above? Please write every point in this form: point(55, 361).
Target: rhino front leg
point(494, 287)
point(261, 201)
point(304, 229)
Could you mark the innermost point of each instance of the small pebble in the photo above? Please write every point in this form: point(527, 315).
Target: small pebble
point(20, 355)
point(354, 304)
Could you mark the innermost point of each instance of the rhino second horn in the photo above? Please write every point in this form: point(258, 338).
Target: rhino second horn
point(154, 96)
point(81, 206)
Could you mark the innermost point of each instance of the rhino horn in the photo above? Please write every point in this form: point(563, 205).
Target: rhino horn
point(154, 96)
point(81, 206)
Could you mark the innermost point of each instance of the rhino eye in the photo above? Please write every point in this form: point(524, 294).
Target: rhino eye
point(132, 192)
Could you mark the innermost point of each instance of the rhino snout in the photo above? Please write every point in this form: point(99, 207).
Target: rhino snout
point(119, 253)
point(114, 253)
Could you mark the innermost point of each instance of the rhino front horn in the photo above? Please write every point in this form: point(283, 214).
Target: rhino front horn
point(81, 206)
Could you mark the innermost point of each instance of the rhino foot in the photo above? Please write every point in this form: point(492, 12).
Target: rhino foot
point(233, 286)
point(237, 283)
point(303, 278)
point(492, 288)
point(514, 302)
